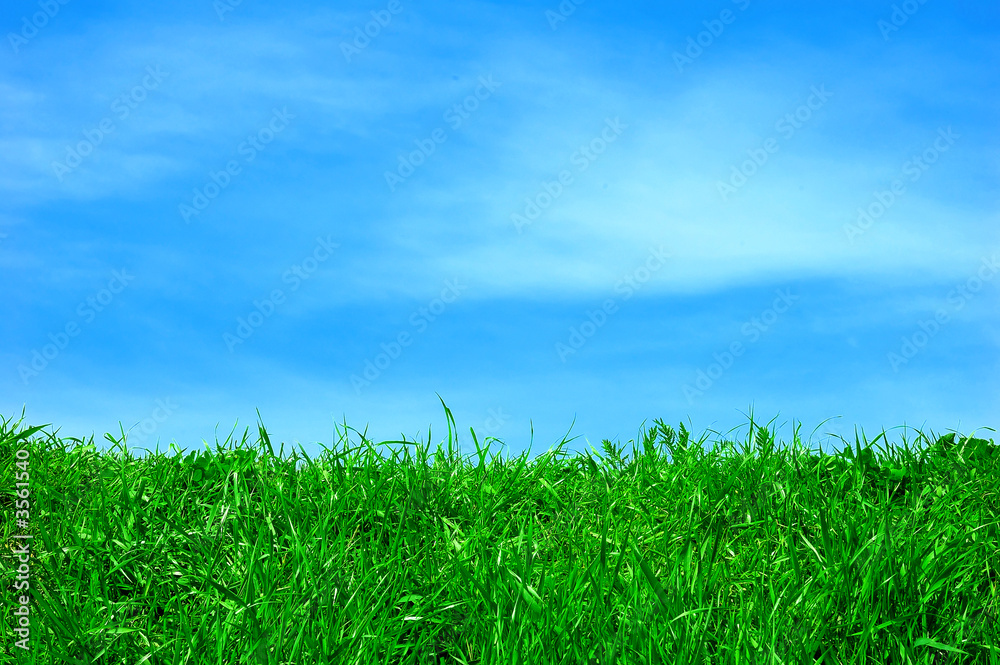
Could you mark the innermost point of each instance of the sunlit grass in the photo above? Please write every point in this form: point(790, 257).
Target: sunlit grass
point(750, 552)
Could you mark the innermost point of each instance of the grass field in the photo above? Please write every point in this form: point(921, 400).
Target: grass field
point(677, 552)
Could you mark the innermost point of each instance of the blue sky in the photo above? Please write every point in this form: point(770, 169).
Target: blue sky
point(542, 212)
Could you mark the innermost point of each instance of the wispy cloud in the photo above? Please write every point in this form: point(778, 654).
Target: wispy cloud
point(537, 166)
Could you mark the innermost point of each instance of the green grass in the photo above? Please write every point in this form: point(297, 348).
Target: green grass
point(749, 552)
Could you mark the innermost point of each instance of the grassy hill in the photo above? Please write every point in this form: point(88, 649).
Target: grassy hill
point(679, 552)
